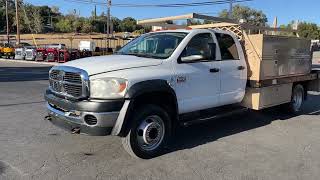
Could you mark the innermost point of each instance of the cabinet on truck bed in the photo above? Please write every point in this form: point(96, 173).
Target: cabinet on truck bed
point(271, 57)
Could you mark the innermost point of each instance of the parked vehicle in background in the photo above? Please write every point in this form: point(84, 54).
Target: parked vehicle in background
point(97, 52)
point(179, 77)
point(20, 53)
point(87, 48)
point(64, 56)
point(53, 55)
point(56, 46)
point(74, 54)
point(41, 54)
point(1, 50)
point(31, 53)
point(126, 35)
point(8, 51)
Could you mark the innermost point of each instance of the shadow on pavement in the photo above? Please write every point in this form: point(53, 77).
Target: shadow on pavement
point(2, 167)
point(12, 74)
point(199, 134)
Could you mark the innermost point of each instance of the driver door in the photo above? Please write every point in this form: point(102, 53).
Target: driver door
point(198, 81)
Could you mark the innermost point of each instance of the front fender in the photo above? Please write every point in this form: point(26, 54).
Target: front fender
point(123, 122)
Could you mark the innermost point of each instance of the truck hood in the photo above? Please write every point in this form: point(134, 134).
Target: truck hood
point(101, 64)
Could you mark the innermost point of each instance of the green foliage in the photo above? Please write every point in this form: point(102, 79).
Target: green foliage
point(64, 25)
point(252, 16)
point(86, 27)
point(309, 30)
point(128, 24)
point(40, 19)
point(305, 30)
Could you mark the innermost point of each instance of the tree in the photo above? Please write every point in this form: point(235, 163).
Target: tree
point(38, 25)
point(252, 16)
point(116, 24)
point(309, 30)
point(128, 24)
point(64, 25)
point(86, 27)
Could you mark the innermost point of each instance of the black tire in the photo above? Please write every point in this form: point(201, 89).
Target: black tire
point(131, 141)
point(297, 99)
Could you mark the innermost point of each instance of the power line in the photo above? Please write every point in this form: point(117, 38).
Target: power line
point(231, 9)
point(173, 5)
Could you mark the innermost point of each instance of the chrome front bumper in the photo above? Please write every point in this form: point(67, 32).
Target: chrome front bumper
point(75, 121)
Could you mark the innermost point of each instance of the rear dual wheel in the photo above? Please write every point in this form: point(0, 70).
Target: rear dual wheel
point(297, 99)
point(149, 133)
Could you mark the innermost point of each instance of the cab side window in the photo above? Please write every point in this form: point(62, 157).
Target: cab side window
point(199, 45)
point(227, 46)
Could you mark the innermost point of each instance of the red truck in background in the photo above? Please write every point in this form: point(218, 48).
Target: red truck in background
point(52, 55)
point(41, 54)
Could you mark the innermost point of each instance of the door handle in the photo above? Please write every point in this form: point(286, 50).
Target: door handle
point(241, 68)
point(214, 70)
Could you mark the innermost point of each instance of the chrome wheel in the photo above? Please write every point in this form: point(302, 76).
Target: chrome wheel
point(150, 133)
point(297, 99)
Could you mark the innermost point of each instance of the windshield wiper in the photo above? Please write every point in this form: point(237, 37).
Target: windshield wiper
point(142, 55)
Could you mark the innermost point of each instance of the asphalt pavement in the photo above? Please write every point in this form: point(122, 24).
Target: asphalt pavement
point(264, 145)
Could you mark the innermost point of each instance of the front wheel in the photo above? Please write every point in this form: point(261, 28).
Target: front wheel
point(149, 134)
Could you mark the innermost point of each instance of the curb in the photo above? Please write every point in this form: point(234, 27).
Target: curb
point(28, 62)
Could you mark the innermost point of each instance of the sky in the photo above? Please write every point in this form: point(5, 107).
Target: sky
point(285, 10)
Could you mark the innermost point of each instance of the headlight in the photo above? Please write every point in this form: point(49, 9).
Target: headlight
point(108, 88)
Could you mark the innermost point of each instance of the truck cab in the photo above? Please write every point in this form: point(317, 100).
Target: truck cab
point(141, 91)
point(8, 51)
point(31, 53)
point(52, 55)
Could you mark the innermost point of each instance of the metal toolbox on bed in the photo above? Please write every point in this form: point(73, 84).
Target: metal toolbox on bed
point(271, 57)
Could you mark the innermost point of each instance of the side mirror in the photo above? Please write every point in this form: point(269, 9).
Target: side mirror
point(192, 58)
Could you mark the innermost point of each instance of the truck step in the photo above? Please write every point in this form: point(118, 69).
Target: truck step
point(210, 114)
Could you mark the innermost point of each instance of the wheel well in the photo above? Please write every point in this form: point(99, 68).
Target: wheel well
point(165, 100)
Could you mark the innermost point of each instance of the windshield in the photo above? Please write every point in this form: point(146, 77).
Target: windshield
point(155, 45)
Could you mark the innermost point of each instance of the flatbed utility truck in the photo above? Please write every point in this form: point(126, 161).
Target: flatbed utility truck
point(163, 79)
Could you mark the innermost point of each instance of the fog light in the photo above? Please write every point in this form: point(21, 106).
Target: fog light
point(90, 120)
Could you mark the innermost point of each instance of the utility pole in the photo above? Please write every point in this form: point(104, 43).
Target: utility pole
point(231, 9)
point(108, 18)
point(108, 21)
point(18, 23)
point(7, 19)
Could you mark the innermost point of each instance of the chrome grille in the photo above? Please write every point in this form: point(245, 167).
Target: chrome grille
point(74, 90)
point(29, 53)
point(69, 82)
point(72, 77)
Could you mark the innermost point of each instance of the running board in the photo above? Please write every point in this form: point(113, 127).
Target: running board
point(221, 114)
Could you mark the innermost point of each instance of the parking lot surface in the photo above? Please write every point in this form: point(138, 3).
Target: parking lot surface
point(252, 145)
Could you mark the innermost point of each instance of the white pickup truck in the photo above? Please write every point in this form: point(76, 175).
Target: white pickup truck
point(153, 84)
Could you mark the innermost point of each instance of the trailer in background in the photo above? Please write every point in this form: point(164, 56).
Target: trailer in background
point(87, 48)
